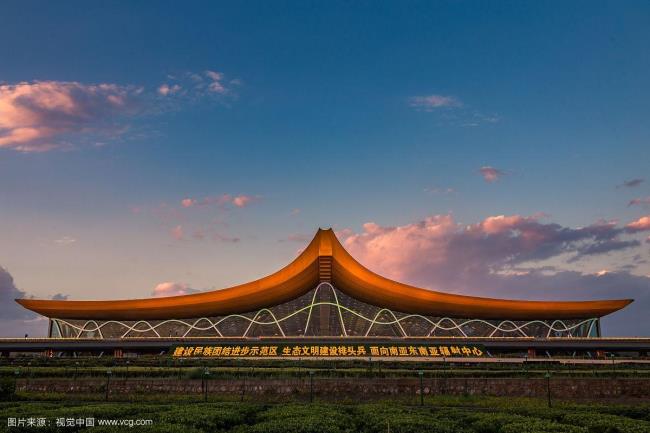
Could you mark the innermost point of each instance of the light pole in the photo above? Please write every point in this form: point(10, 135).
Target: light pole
point(311, 386)
point(76, 368)
point(421, 374)
point(16, 374)
point(127, 370)
point(108, 382)
point(548, 387)
point(243, 388)
point(206, 375)
point(29, 373)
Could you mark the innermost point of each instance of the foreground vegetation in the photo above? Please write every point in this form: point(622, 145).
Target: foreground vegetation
point(241, 413)
point(166, 367)
point(438, 415)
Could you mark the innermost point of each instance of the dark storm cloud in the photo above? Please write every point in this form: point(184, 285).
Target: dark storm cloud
point(16, 321)
point(9, 309)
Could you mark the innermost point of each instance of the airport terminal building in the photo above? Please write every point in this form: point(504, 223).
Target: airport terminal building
point(323, 293)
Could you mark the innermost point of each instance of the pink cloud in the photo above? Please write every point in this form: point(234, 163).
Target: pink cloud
point(170, 288)
point(39, 116)
point(188, 202)
point(428, 102)
point(36, 116)
point(206, 201)
point(343, 234)
point(491, 174)
point(177, 232)
point(503, 257)
point(502, 223)
point(238, 201)
point(242, 200)
point(442, 253)
point(167, 89)
point(642, 224)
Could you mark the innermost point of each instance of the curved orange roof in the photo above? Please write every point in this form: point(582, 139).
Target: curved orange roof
point(324, 259)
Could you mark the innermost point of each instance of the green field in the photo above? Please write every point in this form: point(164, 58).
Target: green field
point(439, 414)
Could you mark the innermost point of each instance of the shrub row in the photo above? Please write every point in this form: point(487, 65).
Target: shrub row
point(474, 416)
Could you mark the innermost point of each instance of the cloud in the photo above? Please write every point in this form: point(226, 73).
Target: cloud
point(438, 190)
point(603, 247)
point(65, 240)
point(491, 174)
point(430, 102)
point(449, 110)
point(242, 200)
point(631, 183)
point(239, 201)
point(642, 224)
point(38, 116)
point(503, 256)
point(572, 285)
point(169, 288)
point(183, 224)
point(167, 89)
point(9, 309)
point(639, 202)
point(295, 211)
point(476, 119)
point(438, 251)
point(192, 85)
point(188, 202)
point(206, 201)
point(177, 233)
point(14, 319)
point(216, 84)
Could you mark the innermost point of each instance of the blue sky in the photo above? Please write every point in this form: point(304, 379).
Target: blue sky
point(321, 114)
